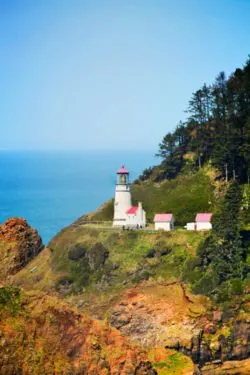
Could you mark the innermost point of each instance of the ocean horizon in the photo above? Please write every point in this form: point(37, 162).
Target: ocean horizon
point(51, 189)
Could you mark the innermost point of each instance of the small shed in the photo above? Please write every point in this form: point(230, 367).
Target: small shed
point(190, 226)
point(203, 221)
point(164, 221)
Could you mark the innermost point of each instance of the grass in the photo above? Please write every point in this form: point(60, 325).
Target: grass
point(168, 362)
point(184, 196)
point(127, 263)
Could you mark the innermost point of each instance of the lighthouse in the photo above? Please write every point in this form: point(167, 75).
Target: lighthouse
point(126, 215)
point(122, 197)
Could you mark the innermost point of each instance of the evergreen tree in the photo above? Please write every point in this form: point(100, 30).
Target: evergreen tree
point(217, 129)
point(222, 251)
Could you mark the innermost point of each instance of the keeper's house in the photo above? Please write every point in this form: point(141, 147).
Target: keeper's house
point(164, 221)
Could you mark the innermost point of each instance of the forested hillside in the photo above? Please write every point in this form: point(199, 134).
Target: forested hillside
point(217, 130)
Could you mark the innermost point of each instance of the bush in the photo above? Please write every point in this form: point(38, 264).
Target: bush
point(10, 299)
point(236, 286)
point(207, 284)
point(191, 270)
point(97, 256)
point(76, 252)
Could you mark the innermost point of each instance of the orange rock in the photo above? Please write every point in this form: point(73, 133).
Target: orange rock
point(19, 244)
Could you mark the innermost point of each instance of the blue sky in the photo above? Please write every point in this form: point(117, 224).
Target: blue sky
point(106, 74)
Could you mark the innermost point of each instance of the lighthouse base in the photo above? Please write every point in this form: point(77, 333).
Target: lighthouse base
point(119, 222)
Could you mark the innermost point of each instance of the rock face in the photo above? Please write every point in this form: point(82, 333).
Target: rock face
point(145, 368)
point(44, 336)
point(164, 316)
point(19, 243)
point(228, 368)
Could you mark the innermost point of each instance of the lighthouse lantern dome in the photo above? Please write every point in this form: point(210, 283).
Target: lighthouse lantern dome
point(122, 170)
point(122, 175)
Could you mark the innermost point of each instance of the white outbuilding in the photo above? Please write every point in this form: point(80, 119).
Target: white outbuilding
point(203, 221)
point(164, 221)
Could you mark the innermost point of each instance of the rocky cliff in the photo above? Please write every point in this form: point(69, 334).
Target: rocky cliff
point(41, 335)
point(19, 243)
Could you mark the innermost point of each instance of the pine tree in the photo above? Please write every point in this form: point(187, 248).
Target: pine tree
point(222, 251)
point(217, 129)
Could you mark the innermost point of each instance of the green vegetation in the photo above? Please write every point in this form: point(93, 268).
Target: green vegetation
point(216, 131)
point(221, 262)
point(184, 196)
point(166, 363)
point(104, 213)
point(87, 261)
point(9, 300)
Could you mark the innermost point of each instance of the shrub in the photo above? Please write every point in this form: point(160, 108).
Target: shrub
point(236, 286)
point(10, 299)
point(76, 252)
point(207, 284)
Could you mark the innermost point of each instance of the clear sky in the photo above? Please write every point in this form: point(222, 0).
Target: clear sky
point(109, 74)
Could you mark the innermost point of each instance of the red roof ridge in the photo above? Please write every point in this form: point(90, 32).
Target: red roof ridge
point(163, 217)
point(132, 210)
point(203, 216)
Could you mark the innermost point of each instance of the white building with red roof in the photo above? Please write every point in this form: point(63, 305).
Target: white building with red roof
point(164, 221)
point(202, 222)
point(126, 215)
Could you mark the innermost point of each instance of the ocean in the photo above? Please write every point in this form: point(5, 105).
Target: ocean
point(51, 189)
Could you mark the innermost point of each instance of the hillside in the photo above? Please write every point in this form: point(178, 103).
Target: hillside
point(133, 288)
point(184, 196)
point(41, 334)
point(152, 286)
point(134, 281)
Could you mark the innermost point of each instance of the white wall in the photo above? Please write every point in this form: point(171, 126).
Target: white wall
point(190, 226)
point(203, 226)
point(122, 204)
point(165, 225)
point(162, 225)
point(198, 226)
point(139, 218)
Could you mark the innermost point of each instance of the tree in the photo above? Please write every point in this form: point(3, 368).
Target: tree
point(222, 251)
point(217, 129)
point(167, 146)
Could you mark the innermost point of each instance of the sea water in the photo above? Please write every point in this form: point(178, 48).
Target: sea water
point(51, 189)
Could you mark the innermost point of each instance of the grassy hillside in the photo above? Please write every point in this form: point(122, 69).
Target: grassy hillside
point(92, 262)
point(184, 196)
point(133, 281)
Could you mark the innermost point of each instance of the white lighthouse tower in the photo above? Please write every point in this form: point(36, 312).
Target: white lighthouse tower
point(126, 215)
point(122, 197)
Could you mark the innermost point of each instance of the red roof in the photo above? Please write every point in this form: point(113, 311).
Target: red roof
point(122, 170)
point(163, 217)
point(204, 217)
point(132, 210)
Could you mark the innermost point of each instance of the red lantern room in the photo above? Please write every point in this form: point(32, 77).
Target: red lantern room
point(122, 176)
